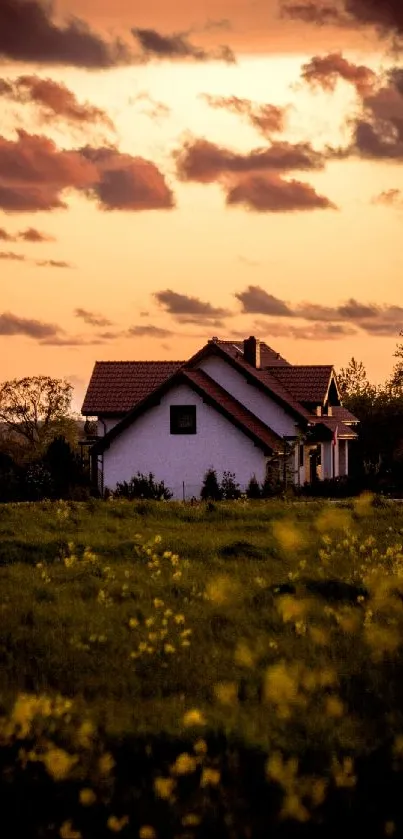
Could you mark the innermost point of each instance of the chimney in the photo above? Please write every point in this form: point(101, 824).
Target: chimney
point(251, 351)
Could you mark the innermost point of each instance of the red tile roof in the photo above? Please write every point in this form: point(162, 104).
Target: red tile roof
point(212, 393)
point(343, 414)
point(264, 378)
point(332, 423)
point(268, 356)
point(117, 386)
point(307, 383)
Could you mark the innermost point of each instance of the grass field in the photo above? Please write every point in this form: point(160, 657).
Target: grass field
point(207, 670)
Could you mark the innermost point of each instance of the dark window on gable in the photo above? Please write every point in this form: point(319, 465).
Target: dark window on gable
point(183, 419)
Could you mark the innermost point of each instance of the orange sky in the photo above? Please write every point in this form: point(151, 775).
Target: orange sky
point(186, 225)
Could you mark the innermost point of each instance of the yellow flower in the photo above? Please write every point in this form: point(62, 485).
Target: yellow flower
point(169, 649)
point(191, 820)
point(158, 603)
point(200, 747)
point(280, 685)
point(288, 535)
point(164, 787)
point(179, 619)
point(194, 717)
point(226, 692)
point(244, 656)
point(106, 763)
point(58, 763)
point(67, 831)
point(334, 706)
point(147, 832)
point(210, 777)
point(184, 764)
point(115, 824)
point(87, 797)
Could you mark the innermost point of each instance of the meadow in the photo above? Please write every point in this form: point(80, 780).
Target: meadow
point(221, 669)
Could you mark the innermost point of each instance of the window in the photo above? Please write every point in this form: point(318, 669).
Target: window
point(183, 419)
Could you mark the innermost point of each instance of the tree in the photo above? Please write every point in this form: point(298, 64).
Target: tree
point(30, 407)
point(353, 380)
point(396, 380)
point(210, 487)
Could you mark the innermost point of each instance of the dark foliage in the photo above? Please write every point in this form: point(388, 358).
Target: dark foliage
point(143, 486)
point(211, 489)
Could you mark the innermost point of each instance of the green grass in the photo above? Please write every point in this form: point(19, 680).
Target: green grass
point(294, 623)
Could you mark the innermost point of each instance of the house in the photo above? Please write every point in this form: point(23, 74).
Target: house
point(234, 406)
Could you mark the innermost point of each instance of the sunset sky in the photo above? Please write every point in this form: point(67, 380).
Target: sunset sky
point(222, 168)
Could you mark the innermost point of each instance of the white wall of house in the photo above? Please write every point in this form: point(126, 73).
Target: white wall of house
point(258, 402)
point(147, 446)
point(105, 425)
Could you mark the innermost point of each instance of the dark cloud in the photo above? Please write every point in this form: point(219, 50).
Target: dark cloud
point(54, 263)
point(205, 162)
point(177, 46)
point(29, 33)
point(14, 257)
point(154, 110)
point(189, 309)
point(55, 101)
point(92, 318)
point(255, 300)
point(325, 71)
point(13, 325)
point(385, 15)
point(311, 332)
point(149, 331)
point(6, 237)
point(389, 198)
point(35, 174)
point(273, 194)
point(34, 236)
point(267, 119)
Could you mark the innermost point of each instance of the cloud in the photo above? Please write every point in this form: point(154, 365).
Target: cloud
point(127, 183)
point(267, 119)
point(17, 257)
point(272, 194)
point(54, 263)
point(385, 15)
point(34, 236)
point(55, 101)
point(35, 173)
point(389, 198)
point(13, 325)
point(325, 71)
point(205, 162)
point(251, 263)
point(29, 34)
point(177, 46)
point(149, 331)
point(92, 318)
point(311, 332)
point(155, 110)
point(189, 309)
point(5, 236)
point(255, 300)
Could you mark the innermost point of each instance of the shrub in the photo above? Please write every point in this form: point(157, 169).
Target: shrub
point(253, 489)
point(143, 486)
point(230, 488)
point(210, 487)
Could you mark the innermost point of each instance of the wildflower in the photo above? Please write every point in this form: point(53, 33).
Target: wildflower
point(133, 622)
point(280, 685)
point(210, 777)
point(194, 717)
point(200, 747)
point(115, 824)
point(334, 706)
point(158, 603)
point(169, 649)
point(164, 787)
point(87, 797)
point(67, 831)
point(179, 619)
point(191, 820)
point(106, 763)
point(58, 763)
point(147, 832)
point(184, 764)
point(226, 692)
point(288, 535)
point(243, 655)
point(158, 540)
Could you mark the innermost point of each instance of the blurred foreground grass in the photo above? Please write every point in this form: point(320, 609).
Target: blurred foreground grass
point(172, 670)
